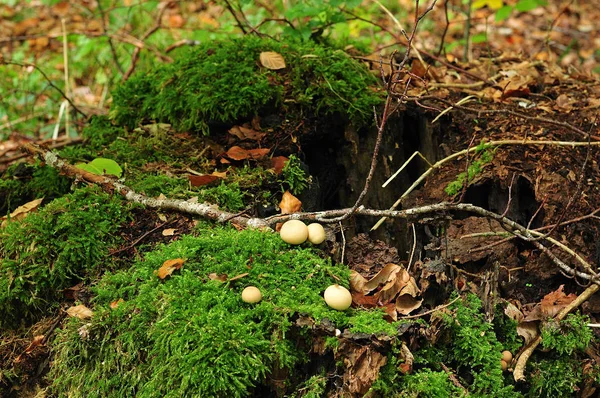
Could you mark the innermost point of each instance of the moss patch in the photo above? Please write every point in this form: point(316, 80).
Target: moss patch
point(224, 81)
point(53, 249)
point(192, 336)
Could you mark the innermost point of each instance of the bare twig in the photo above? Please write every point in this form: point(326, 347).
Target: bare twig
point(54, 86)
point(456, 155)
point(110, 41)
point(136, 52)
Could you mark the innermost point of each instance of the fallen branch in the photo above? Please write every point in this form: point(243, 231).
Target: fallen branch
point(211, 212)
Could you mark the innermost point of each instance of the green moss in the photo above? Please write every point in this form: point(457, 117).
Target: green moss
point(429, 384)
point(192, 336)
point(53, 249)
point(555, 377)
point(372, 322)
point(294, 176)
point(224, 81)
point(227, 196)
point(572, 334)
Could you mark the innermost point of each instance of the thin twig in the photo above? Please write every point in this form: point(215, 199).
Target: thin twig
point(136, 52)
point(54, 86)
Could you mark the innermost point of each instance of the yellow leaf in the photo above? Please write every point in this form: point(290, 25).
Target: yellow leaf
point(492, 4)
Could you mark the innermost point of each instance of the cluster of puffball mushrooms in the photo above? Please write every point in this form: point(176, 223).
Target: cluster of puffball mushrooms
point(295, 232)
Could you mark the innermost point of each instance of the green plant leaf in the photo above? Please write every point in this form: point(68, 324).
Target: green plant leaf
point(526, 5)
point(102, 166)
point(503, 13)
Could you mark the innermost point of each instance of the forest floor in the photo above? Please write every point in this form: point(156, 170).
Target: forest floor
point(480, 281)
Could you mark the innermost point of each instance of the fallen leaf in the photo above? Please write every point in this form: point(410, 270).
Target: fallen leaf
point(362, 364)
point(357, 282)
point(258, 153)
point(289, 203)
point(364, 301)
point(237, 153)
point(168, 232)
point(169, 267)
point(278, 163)
point(80, 311)
point(201, 180)
point(528, 330)
point(405, 304)
point(217, 277)
point(387, 273)
point(246, 133)
point(22, 211)
point(272, 60)
point(116, 303)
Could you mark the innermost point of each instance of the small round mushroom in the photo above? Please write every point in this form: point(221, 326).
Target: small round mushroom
point(338, 297)
point(503, 365)
point(251, 294)
point(507, 356)
point(316, 233)
point(294, 232)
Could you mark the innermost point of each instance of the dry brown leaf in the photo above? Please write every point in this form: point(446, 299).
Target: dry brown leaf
point(389, 291)
point(387, 273)
point(258, 153)
point(237, 153)
point(362, 364)
point(169, 267)
point(550, 305)
point(405, 304)
point(278, 163)
point(21, 212)
point(205, 179)
point(272, 60)
point(357, 282)
point(289, 203)
point(246, 133)
point(168, 232)
point(80, 311)
point(528, 330)
point(217, 277)
point(363, 301)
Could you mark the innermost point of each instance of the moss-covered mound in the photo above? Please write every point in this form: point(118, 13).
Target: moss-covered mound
point(191, 334)
point(225, 81)
point(54, 249)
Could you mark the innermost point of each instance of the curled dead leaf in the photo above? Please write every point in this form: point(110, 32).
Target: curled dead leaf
point(289, 203)
point(405, 304)
point(169, 267)
point(386, 274)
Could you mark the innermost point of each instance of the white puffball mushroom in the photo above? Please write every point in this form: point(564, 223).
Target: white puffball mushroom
point(294, 232)
point(316, 233)
point(507, 356)
point(251, 295)
point(338, 297)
